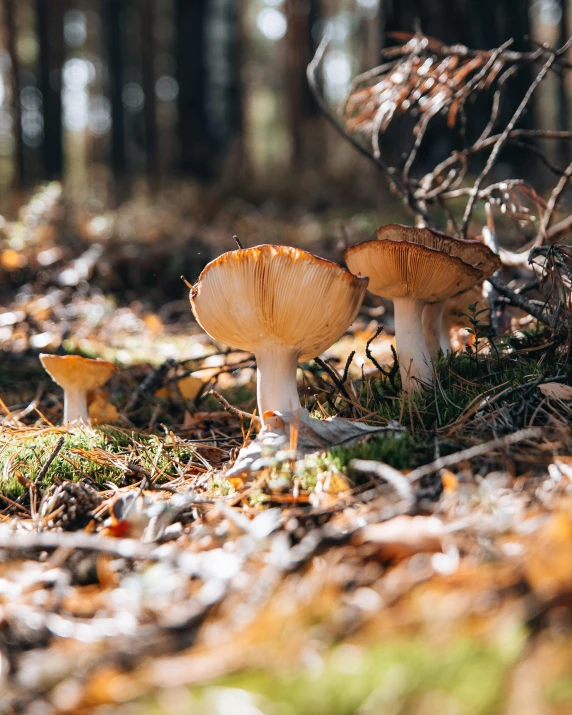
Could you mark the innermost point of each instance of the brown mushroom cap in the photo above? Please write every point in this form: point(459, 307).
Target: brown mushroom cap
point(74, 371)
point(474, 253)
point(276, 296)
point(404, 269)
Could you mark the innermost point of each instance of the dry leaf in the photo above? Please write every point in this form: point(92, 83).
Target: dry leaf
point(101, 411)
point(188, 387)
point(549, 566)
point(556, 390)
point(153, 323)
point(450, 481)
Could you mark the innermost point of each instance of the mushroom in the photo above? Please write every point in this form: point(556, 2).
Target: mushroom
point(474, 253)
point(413, 267)
point(284, 305)
point(77, 375)
point(440, 318)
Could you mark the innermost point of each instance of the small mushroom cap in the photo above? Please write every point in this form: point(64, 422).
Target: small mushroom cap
point(74, 371)
point(276, 296)
point(405, 269)
point(474, 253)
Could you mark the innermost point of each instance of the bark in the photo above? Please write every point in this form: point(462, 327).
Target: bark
point(50, 29)
point(113, 12)
point(148, 72)
point(11, 39)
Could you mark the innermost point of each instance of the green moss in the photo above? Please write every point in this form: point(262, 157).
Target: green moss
point(397, 677)
point(86, 452)
point(396, 451)
point(462, 383)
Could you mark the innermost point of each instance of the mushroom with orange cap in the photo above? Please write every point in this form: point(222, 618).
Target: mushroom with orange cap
point(283, 304)
point(413, 267)
point(77, 375)
point(474, 253)
point(440, 318)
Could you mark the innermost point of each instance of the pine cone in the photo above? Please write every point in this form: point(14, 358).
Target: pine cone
point(69, 505)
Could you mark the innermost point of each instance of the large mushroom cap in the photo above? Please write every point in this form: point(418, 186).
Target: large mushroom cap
point(403, 268)
point(74, 371)
point(276, 295)
point(474, 253)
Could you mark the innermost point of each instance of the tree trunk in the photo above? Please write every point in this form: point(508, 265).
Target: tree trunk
point(11, 32)
point(208, 73)
point(298, 56)
point(563, 109)
point(483, 25)
point(191, 76)
point(148, 72)
point(113, 13)
point(50, 28)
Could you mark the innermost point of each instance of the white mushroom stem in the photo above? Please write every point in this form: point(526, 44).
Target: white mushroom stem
point(276, 386)
point(414, 360)
point(75, 405)
point(435, 331)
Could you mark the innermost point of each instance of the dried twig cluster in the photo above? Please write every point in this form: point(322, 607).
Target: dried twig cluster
point(425, 79)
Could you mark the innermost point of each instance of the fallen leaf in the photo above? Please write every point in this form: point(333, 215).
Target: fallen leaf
point(549, 566)
point(101, 411)
point(450, 481)
point(189, 387)
point(556, 390)
point(153, 323)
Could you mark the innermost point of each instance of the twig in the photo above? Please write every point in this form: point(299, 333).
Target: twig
point(151, 382)
point(44, 470)
point(395, 185)
point(502, 141)
point(392, 372)
point(335, 377)
point(520, 302)
point(388, 474)
point(234, 410)
point(555, 197)
point(345, 374)
point(471, 452)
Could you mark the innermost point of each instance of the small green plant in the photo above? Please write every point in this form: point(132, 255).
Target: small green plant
point(478, 329)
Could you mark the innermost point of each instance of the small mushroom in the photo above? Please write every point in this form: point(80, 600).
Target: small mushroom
point(473, 253)
point(413, 267)
point(284, 305)
point(440, 318)
point(77, 375)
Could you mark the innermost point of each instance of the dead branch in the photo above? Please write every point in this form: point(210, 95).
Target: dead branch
point(472, 452)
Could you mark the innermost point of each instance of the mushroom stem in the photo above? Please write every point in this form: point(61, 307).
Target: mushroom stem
point(435, 331)
point(276, 386)
point(75, 405)
point(414, 358)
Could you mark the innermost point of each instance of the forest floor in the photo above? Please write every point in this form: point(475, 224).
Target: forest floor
point(135, 577)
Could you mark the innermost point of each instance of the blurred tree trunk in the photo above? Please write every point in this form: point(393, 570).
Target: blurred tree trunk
point(148, 72)
point(113, 12)
point(301, 16)
point(563, 108)
point(478, 25)
point(208, 73)
point(50, 31)
point(11, 32)
point(191, 76)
